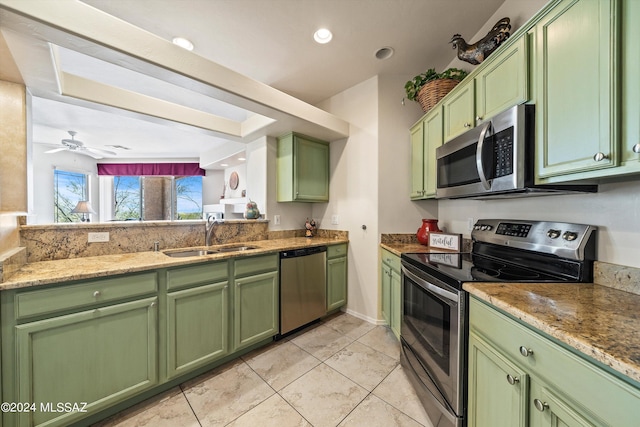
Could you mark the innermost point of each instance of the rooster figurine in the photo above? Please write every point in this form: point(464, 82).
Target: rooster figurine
point(480, 50)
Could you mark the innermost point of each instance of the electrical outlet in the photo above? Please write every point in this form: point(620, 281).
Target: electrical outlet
point(335, 219)
point(470, 224)
point(276, 220)
point(98, 237)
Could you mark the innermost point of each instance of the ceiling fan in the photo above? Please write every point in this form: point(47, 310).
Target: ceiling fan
point(78, 147)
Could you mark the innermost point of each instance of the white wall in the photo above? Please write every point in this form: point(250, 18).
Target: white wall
point(354, 192)
point(397, 214)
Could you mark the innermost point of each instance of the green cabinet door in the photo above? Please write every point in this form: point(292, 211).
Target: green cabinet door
point(197, 327)
point(336, 283)
point(385, 284)
point(630, 135)
point(417, 161)
point(503, 82)
point(396, 302)
point(459, 110)
point(547, 409)
point(432, 140)
point(497, 388)
point(100, 356)
point(575, 81)
point(302, 169)
point(255, 315)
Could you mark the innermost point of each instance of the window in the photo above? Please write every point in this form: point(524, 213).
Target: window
point(69, 189)
point(153, 198)
point(127, 198)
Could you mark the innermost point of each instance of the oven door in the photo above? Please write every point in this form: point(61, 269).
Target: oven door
point(433, 332)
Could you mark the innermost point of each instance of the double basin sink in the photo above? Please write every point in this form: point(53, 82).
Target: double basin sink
point(183, 253)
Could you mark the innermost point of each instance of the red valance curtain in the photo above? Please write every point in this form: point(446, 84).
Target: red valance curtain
point(137, 169)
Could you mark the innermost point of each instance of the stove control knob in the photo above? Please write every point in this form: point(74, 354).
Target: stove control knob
point(486, 228)
point(476, 227)
point(553, 234)
point(569, 236)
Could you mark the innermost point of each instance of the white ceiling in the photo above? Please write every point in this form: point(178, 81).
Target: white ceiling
point(267, 40)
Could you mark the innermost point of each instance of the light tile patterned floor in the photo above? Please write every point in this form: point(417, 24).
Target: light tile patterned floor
point(342, 371)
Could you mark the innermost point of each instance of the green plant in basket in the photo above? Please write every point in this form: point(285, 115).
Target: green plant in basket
point(413, 86)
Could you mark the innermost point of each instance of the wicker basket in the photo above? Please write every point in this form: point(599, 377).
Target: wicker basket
point(432, 92)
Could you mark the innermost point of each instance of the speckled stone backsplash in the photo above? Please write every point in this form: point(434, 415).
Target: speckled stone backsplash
point(62, 241)
point(11, 261)
point(617, 276)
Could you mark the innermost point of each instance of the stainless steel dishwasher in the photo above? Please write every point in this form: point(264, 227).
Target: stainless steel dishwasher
point(303, 287)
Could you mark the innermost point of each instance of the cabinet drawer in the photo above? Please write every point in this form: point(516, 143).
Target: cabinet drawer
point(590, 387)
point(91, 292)
point(391, 260)
point(257, 264)
point(197, 274)
point(336, 251)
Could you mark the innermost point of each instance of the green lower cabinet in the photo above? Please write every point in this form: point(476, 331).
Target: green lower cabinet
point(256, 309)
point(386, 293)
point(197, 327)
point(391, 290)
point(520, 377)
point(549, 410)
point(336, 283)
point(497, 388)
point(99, 357)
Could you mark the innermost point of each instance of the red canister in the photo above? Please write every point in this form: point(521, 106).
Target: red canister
point(428, 225)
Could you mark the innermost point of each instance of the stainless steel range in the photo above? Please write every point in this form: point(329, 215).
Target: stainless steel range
point(434, 329)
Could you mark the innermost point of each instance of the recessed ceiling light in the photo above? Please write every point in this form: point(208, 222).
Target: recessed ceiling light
point(384, 52)
point(183, 43)
point(242, 159)
point(224, 165)
point(322, 36)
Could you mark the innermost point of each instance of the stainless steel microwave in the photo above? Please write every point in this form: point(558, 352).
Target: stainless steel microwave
point(495, 160)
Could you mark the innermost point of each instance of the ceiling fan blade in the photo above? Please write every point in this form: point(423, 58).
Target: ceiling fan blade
point(101, 151)
point(55, 150)
point(89, 153)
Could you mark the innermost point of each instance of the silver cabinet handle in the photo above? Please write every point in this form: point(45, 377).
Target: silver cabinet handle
point(478, 118)
point(512, 380)
point(467, 125)
point(636, 148)
point(526, 352)
point(153, 304)
point(598, 157)
point(96, 294)
point(540, 405)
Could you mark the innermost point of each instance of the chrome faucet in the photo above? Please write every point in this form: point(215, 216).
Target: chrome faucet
point(211, 225)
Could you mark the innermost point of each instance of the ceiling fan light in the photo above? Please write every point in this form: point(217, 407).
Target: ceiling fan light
point(183, 43)
point(322, 36)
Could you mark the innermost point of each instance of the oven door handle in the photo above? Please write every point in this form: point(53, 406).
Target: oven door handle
point(450, 298)
point(479, 150)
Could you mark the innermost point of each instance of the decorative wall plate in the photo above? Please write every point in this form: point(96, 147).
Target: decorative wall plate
point(234, 180)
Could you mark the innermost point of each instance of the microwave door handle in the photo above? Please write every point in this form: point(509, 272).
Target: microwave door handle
point(448, 297)
point(479, 150)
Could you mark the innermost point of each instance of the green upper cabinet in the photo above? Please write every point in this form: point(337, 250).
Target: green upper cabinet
point(459, 109)
point(574, 69)
point(302, 169)
point(630, 135)
point(504, 81)
point(426, 136)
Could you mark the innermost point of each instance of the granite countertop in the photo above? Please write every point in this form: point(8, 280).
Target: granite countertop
point(47, 272)
point(599, 321)
point(400, 248)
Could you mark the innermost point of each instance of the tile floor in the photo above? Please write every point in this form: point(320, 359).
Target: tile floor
point(342, 371)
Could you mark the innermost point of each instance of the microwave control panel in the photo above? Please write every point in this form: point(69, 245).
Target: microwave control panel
point(503, 153)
